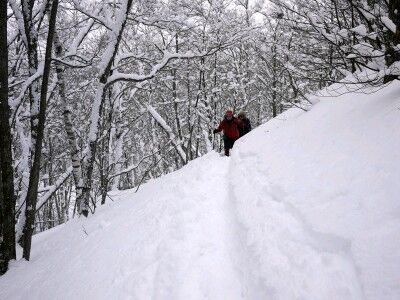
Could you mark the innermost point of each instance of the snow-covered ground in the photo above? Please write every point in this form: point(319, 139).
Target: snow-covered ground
point(307, 207)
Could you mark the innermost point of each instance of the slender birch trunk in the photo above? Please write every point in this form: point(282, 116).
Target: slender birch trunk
point(68, 124)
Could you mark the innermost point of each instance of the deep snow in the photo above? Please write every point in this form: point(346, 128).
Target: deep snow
point(307, 207)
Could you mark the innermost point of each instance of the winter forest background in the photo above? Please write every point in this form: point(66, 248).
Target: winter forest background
point(102, 95)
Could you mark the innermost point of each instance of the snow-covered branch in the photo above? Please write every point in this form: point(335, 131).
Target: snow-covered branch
point(94, 15)
point(131, 168)
point(168, 130)
point(51, 191)
point(167, 57)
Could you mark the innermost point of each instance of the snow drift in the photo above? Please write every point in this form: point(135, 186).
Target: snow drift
point(307, 207)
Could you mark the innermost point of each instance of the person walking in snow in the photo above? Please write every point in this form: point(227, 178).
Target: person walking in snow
point(230, 127)
point(245, 126)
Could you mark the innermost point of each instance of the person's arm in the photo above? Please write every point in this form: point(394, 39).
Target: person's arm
point(220, 127)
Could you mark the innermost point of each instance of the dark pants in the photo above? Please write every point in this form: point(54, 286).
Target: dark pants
point(228, 144)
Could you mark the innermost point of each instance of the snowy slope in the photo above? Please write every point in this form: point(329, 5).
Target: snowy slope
point(307, 207)
point(319, 200)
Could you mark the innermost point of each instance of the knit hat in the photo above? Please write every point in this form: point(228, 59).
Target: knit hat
point(229, 113)
point(242, 114)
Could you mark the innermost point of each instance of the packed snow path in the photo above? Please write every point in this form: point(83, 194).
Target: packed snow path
point(184, 251)
point(305, 208)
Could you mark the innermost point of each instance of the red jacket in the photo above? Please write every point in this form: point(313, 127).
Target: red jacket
point(230, 127)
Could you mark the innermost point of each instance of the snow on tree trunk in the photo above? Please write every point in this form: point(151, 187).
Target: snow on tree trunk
point(116, 144)
point(23, 170)
point(31, 37)
point(97, 107)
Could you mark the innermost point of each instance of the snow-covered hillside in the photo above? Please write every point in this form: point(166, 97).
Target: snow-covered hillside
point(307, 207)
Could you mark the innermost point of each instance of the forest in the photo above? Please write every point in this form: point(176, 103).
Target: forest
point(103, 95)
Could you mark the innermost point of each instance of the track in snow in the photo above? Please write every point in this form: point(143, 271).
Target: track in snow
point(200, 258)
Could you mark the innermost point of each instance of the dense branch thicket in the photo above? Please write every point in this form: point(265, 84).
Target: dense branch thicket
point(135, 88)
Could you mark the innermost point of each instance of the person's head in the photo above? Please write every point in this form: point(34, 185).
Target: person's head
point(229, 115)
point(242, 115)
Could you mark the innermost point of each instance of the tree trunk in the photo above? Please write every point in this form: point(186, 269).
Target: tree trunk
point(68, 125)
point(33, 64)
point(7, 196)
point(392, 55)
point(31, 197)
point(175, 93)
point(31, 44)
point(117, 143)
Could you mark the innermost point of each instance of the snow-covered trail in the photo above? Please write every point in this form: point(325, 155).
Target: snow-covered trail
point(174, 239)
point(201, 252)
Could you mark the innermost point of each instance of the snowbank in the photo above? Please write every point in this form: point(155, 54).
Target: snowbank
point(318, 196)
